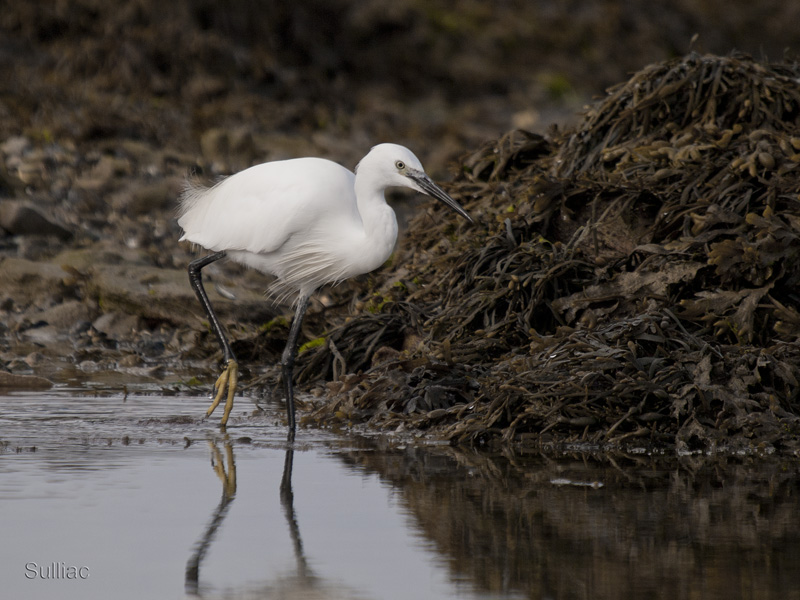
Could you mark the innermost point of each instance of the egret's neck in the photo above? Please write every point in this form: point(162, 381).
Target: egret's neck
point(378, 219)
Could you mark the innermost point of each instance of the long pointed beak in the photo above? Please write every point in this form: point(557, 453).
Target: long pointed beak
point(427, 186)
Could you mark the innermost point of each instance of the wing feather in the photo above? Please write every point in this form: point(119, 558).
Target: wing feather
point(260, 208)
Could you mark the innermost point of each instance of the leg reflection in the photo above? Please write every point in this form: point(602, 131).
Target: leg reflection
point(300, 583)
point(287, 501)
point(228, 479)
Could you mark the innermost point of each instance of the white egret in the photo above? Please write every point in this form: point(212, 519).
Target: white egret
point(308, 222)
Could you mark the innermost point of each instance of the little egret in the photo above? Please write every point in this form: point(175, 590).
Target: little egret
point(308, 222)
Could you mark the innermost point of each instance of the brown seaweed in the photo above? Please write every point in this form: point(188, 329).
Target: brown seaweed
point(634, 280)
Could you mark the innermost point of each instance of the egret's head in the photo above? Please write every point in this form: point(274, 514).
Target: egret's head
point(398, 166)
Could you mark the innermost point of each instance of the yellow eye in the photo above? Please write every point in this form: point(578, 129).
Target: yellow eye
point(400, 165)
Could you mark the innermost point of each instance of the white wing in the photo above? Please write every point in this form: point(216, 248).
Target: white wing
point(260, 208)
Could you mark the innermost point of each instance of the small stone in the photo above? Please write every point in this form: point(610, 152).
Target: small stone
point(35, 359)
point(131, 360)
point(15, 146)
point(19, 217)
point(65, 315)
point(116, 325)
point(43, 336)
point(15, 381)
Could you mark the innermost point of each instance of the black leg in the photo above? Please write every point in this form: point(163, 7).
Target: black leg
point(230, 376)
point(287, 361)
point(196, 279)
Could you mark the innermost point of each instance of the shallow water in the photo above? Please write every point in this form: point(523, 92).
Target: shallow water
point(104, 495)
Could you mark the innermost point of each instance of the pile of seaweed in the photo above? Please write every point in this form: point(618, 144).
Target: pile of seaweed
point(635, 280)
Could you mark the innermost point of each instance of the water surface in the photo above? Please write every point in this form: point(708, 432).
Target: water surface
point(107, 495)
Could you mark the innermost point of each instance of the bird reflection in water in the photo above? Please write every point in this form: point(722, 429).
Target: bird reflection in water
point(228, 479)
point(301, 584)
point(287, 501)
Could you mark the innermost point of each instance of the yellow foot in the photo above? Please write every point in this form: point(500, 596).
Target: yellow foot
point(228, 380)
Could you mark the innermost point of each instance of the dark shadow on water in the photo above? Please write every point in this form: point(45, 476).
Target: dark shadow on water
point(603, 526)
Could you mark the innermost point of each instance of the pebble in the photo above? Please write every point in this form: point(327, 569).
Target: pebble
point(16, 145)
point(66, 315)
point(44, 336)
point(15, 381)
point(19, 217)
point(116, 325)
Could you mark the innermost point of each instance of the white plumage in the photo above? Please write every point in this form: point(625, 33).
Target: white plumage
point(307, 221)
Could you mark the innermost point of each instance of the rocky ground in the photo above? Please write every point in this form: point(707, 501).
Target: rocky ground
point(104, 112)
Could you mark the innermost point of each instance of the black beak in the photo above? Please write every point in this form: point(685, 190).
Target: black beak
point(427, 186)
